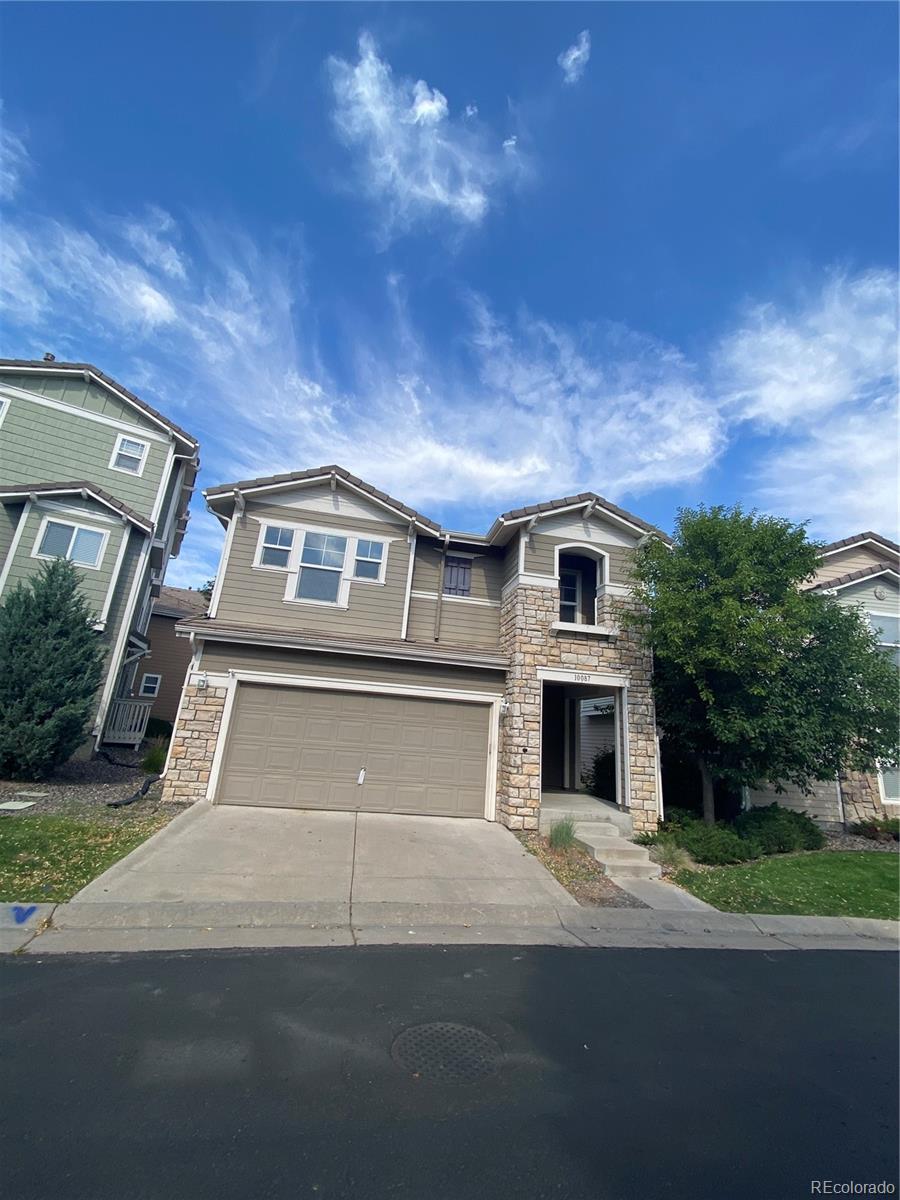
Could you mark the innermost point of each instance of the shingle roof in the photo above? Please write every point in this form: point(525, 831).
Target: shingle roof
point(867, 536)
point(179, 602)
point(474, 656)
point(546, 506)
point(853, 576)
point(12, 364)
point(81, 486)
point(225, 489)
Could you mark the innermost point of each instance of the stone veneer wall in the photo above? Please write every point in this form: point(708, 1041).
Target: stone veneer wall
point(862, 797)
point(526, 615)
point(194, 743)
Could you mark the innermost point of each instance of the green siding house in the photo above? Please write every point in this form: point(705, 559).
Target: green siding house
point(91, 473)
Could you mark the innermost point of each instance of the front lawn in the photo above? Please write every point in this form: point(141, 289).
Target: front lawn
point(821, 884)
point(46, 858)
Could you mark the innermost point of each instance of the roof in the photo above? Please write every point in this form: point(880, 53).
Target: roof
point(265, 481)
point(225, 490)
point(867, 536)
point(179, 602)
point(854, 576)
point(84, 488)
point(547, 506)
point(54, 367)
point(260, 635)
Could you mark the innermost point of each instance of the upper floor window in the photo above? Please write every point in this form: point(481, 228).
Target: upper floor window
point(321, 567)
point(276, 546)
point(887, 629)
point(569, 595)
point(4, 405)
point(129, 455)
point(457, 576)
point(150, 685)
point(78, 543)
point(368, 561)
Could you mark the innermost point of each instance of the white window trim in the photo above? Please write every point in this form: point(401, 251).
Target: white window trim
point(586, 550)
point(5, 405)
point(382, 562)
point(292, 570)
point(117, 449)
point(149, 695)
point(258, 564)
point(571, 571)
point(881, 792)
point(76, 525)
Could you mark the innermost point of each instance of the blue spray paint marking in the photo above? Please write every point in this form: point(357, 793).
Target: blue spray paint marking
point(21, 913)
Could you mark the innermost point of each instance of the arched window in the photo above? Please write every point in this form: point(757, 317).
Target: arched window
point(581, 571)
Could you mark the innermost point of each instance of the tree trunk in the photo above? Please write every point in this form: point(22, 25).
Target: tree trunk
point(709, 796)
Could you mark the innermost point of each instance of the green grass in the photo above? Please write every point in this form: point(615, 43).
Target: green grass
point(822, 884)
point(49, 858)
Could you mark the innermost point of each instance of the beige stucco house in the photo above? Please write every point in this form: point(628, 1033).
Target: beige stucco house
point(357, 655)
point(864, 571)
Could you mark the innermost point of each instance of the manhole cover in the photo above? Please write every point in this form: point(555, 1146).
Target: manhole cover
point(448, 1052)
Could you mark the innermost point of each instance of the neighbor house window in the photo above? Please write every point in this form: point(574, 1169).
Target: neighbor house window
point(4, 405)
point(367, 564)
point(457, 576)
point(569, 596)
point(129, 455)
point(276, 546)
point(887, 629)
point(321, 567)
point(150, 685)
point(78, 544)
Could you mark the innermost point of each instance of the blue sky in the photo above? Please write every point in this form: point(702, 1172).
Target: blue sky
point(479, 254)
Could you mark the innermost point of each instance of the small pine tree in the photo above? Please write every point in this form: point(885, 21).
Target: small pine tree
point(51, 665)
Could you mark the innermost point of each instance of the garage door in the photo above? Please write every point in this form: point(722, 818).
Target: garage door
point(308, 748)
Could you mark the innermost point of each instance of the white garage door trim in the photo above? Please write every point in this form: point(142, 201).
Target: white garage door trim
point(233, 679)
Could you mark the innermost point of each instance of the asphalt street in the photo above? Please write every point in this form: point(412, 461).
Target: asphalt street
point(550, 1072)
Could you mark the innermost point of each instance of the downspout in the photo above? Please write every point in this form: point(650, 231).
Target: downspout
point(440, 591)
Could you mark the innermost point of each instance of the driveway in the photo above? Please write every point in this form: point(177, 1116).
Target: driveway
point(214, 854)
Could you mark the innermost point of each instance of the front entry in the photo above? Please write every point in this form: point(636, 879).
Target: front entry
point(296, 747)
point(580, 734)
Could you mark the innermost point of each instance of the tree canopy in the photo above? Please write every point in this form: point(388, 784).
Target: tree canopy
point(755, 678)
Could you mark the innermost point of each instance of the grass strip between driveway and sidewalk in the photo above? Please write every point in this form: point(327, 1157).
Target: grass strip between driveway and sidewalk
point(820, 883)
point(46, 859)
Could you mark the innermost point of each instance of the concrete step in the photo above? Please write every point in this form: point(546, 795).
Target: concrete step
point(616, 854)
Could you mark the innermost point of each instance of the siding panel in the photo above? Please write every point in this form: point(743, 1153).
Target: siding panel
point(540, 553)
point(221, 657)
point(169, 657)
point(487, 572)
point(254, 596)
point(461, 624)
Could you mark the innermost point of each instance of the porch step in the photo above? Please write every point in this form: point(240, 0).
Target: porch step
point(581, 808)
point(615, 854)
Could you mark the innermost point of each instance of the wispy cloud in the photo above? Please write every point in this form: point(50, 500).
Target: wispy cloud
point(839, 346)
point(14, 159)
point(574, 59)
point(416, 160)
point(822, 376)
point(149, 237)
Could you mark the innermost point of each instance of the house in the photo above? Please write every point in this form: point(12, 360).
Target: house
point(91, 473)
point(160, 674)
point(357, 655)
point(864, 571)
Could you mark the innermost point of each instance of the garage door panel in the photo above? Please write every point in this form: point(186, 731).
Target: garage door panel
point(303, 748)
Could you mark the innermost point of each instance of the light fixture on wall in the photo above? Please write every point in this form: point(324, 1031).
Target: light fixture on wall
point(504, 707)
point(202, 681)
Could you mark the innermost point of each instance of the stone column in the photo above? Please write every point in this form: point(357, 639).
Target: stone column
point(862, 797)
point(194, 740)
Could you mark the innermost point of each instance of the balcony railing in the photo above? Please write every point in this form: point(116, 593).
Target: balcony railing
point(127, 722)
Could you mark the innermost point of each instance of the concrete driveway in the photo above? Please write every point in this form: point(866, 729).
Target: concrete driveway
point(258, 856)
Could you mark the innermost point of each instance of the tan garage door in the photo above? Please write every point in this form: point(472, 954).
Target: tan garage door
point(291, 747)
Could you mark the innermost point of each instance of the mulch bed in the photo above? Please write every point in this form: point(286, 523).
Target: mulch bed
point(85, 789)
point(581, 875)
point(852, 841)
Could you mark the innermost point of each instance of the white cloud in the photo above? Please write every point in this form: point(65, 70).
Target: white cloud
point(839, 347)
point(574, 60)
point(148, 238)
point(822, 377)
point(842, 476)
point(415, 159)
point(14, 160)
